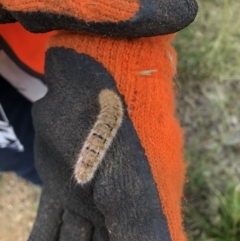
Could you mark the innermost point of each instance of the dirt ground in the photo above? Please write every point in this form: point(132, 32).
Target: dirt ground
point(18, 204)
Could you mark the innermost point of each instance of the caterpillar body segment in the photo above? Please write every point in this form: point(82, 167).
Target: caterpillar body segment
point(100, 137)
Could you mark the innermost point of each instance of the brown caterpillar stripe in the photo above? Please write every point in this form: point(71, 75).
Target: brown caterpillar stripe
point(100, 136)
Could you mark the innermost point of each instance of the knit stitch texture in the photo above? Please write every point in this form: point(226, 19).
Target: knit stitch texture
point(88, 10)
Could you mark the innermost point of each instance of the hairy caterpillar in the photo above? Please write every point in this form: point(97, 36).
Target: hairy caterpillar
point(100, 136)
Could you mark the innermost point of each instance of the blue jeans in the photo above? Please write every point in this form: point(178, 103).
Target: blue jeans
point(17, 109)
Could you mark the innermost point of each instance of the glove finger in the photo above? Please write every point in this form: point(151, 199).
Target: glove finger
point(139, 182)
point(48, 221)
point(75, 228)
point(138, 185)
point(123, 18)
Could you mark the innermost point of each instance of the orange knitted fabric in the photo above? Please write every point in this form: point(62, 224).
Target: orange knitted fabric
point(143, 70)
point(29, 48)
point(88, 10)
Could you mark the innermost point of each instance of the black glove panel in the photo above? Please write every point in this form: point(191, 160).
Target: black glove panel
point(121, 202)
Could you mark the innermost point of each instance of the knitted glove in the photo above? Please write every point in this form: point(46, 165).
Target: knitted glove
point(108, 147)
point(119, 18)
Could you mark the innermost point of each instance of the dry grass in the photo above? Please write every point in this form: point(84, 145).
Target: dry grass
point(209, 49)
point(18, 201)
point(209, 110)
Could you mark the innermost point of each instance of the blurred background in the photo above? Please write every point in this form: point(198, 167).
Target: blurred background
point(208, 103)
point(208, 106)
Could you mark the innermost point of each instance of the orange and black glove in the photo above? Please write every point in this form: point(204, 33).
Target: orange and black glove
point(118, 18)
point(134, 192)
point(108, 145)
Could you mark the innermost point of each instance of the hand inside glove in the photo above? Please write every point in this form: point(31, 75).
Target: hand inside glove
point(108, 146)
point(109, 117)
